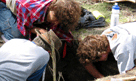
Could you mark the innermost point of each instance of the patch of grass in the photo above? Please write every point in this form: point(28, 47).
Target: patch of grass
point(127, 14)
point(103, 8)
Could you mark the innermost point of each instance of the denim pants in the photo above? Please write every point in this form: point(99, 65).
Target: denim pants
point(8, 23)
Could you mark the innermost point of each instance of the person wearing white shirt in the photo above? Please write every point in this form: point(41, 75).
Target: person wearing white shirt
point(120, 40)
point(25, 60)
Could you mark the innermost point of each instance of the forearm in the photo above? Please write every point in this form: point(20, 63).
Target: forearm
point(133, 69)
point(93, 71)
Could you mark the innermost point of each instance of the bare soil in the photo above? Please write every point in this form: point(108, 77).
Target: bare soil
point(72, 70)
point(70, 67)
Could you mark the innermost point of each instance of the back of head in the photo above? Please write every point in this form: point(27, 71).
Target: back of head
point(67, 12)
point(91, 48)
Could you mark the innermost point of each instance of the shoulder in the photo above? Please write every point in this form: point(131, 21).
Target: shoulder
point(24, 46)
point(124, 46)
point(107, 31)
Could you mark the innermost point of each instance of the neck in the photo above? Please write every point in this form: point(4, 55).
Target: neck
point(108, 49)
point(108, 45)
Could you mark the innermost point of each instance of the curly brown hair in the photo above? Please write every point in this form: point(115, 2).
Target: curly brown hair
point(91, 48)
point(67, 12)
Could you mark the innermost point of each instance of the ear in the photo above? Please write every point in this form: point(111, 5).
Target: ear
point(87, 60)
point(55, 7)
point(79, 39)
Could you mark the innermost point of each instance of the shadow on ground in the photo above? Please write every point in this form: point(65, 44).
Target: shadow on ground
point(72, 70)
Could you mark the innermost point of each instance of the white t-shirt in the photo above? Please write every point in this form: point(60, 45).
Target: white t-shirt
point(122, 40)
point(19, 58)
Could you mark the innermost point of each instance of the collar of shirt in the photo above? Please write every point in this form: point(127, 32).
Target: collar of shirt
point(68, 37)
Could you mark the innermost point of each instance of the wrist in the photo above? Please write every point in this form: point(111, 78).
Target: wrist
point(101, 76)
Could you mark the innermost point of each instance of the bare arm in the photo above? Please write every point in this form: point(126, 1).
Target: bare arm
point(93, 71)
point(133, 69)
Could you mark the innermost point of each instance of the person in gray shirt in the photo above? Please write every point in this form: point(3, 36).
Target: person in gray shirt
point(22, 59)
point(120, 40)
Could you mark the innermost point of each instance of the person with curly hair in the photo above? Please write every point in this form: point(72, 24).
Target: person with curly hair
point(19, 18)
point(120, 40)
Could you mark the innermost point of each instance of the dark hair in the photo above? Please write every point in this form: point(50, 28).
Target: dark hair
point(67, 12)
point(91, 48)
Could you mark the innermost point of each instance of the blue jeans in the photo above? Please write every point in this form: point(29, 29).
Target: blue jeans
point(8, 23)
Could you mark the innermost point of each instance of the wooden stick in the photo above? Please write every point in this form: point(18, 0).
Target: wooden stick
point(53, 60)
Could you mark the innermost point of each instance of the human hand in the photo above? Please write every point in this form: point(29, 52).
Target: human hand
point(42, 31)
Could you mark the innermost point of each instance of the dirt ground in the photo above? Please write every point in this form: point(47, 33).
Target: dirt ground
point(72, 70)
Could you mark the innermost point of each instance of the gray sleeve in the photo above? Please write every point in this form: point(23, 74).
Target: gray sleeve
point(19, 58)
point(125, 61)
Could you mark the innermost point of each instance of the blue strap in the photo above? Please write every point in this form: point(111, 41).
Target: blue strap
point(37, 75)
